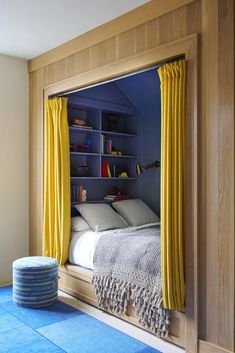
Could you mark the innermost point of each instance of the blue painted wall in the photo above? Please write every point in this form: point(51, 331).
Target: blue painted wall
point(143, 90)
point(140, 93)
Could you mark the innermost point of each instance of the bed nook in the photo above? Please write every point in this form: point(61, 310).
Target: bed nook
point(109, 149)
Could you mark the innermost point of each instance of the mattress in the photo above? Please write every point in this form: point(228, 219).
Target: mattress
point(83, 244)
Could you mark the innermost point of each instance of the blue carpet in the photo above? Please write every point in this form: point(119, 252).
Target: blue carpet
point(59, 328)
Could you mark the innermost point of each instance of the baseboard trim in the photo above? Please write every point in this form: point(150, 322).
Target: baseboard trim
point(207, 347)
point(123, 326)
point(5, 284)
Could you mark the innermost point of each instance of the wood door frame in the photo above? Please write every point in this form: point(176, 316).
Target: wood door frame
point(187, 46)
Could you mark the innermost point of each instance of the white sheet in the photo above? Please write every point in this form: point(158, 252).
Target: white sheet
point(83, 244)
point(82, 248)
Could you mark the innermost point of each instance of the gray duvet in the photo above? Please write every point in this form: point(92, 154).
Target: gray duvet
point(127, 266)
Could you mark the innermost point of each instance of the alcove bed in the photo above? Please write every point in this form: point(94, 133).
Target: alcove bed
point(77, 280)
point(133, 105)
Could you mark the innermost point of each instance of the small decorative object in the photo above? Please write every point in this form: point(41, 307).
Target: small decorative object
point(79, 171)
point(87, 144)
point(119, 153)
point(113, 123)
point(117, 193)
point(79, 122)
point(123, 175)
point(73, 147)
point(114, 153)
point(139, 168)
point(83, 198)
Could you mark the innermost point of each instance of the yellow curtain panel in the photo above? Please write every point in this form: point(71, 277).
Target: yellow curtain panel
point(56, 202)
point(173, 82)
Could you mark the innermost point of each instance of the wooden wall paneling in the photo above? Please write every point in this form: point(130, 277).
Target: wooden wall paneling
point(206, 347)
point(152, 28)
point(213, 20)
point(103, 53)
point(126, 44)
point(121, 67)
point(194, 17)
point(82, 62)
point(141, 38)
point(226, 243)
point(187, 46)
point(132, 19)
point(210, 130)
point(217, 214)
point(191, 199)
point(64, 68)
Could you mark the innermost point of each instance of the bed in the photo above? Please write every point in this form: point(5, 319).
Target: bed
point(88, 275)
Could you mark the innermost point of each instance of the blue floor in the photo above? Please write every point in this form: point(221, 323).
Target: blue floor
point(59, 328)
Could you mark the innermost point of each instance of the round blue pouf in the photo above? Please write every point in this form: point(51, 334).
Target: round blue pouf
point(35, 281)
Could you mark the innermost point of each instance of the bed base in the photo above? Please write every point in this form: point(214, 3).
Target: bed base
point(76, 281)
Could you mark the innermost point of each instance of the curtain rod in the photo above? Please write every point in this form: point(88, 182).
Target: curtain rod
point(62, 94)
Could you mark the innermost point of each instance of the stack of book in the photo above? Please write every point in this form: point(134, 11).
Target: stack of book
point(77, 193)
point(106, 145)
point(116, 197)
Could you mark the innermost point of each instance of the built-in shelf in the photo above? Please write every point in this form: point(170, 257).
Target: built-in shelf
point(90, 201)
point(117, 156)
point(121, 134)
point(118, 178)
point(84, 154)
point(104, 132)
point(84, 131)
point(103, 155)
point(100, 178)
point(115, 127)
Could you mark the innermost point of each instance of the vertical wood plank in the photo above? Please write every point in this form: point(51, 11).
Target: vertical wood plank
point(140, 38)
point(191, 201)
point(226, 293)
point(126, 44)
point(103, 53)
point(152, 29)
point(209, 217)
point(194, 17)
point(82, 61)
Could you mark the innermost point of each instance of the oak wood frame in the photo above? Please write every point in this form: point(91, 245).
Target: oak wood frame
point(136, 17)
point(188, 47)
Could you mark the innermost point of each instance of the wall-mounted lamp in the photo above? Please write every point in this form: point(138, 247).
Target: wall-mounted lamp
point(139, 168)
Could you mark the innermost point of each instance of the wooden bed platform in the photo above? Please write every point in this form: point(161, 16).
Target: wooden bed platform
point(76, 280)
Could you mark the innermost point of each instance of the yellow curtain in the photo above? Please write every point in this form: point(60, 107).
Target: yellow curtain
point(173, 81)
point(56, 202)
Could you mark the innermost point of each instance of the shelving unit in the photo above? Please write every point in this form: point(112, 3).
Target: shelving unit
point(124, 139)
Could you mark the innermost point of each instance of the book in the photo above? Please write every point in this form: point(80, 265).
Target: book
point(106, 145)
point(104, 168)
point(109, 172)
point(102, 144)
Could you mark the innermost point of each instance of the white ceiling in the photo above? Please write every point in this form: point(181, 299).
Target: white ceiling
point(31, 27)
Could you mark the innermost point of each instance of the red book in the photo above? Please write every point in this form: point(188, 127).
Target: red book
point(104, 168)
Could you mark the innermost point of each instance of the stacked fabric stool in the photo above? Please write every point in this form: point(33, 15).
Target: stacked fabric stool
point(35, 281)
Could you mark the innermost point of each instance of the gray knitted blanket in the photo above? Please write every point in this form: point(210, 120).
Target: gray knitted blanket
point(127, 266)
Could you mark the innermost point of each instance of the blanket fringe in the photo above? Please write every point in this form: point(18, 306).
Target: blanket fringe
point(113, 295)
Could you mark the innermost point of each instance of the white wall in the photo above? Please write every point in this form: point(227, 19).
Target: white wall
point(14, 163)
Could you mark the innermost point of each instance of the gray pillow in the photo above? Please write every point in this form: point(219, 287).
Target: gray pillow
point(135, 212)
point(100, 216)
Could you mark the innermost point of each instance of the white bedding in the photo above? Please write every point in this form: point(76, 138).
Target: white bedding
point(83, 244)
